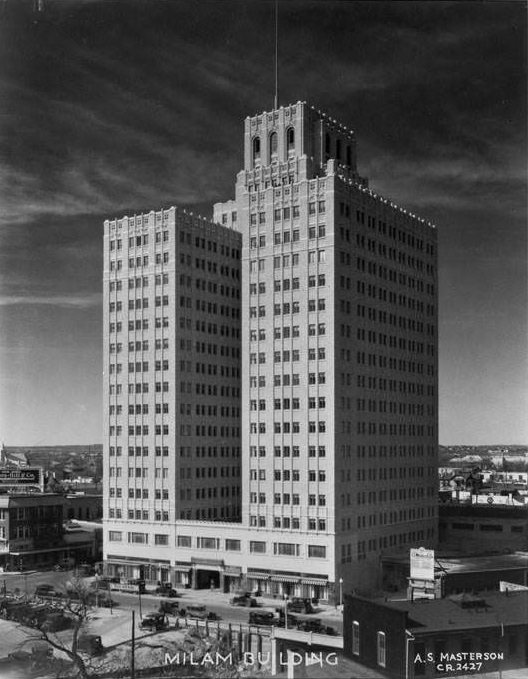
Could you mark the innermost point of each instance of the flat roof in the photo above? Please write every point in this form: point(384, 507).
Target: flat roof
point(460, 564)
point(448, 614)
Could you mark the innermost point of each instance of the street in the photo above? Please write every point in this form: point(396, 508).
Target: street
point(213, 600)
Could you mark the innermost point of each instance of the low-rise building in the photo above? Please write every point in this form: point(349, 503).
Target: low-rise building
point(497, 523)
point(30, 529)
point(462, 634)
point(83, 506)
point(33, 533)
point(458, 574)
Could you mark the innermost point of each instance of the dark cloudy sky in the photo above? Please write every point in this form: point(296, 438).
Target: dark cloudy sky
point(107, 108)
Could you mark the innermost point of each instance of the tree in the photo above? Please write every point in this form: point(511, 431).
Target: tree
point(72, 614)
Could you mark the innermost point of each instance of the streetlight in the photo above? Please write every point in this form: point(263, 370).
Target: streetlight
point(341, 593)
point(285, 611)
point(409, 637)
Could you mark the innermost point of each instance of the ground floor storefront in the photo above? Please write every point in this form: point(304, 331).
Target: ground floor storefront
point(214, 574)
point(39, 559)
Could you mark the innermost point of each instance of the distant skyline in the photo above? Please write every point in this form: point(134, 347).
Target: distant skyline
point(113, 107)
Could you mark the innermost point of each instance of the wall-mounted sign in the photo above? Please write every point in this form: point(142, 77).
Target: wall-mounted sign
point(422, 564)
point(25, 476)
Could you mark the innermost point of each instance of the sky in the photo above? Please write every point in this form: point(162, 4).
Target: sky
point(111, 107)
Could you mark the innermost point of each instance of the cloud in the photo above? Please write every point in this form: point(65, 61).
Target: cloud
point(66, 301)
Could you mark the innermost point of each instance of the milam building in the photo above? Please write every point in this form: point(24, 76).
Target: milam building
point(270, 378)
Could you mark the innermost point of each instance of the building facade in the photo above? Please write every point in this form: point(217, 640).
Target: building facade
point(33, 535)
point(338, 383)
point(171, 377)
point(459, 636)
point(478, 528)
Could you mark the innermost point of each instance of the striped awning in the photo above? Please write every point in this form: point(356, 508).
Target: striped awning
point(285, 578)
point(258, 576)
point(314, 581)
point(181, 569)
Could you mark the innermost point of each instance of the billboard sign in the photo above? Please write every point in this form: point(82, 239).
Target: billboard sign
point(511, 587)
point(422, 564)
point(21, 476)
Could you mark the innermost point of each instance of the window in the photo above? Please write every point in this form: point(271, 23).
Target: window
point(273, 145)
point(208, 543)
point(285, 549)
point(232, 545)
point(161, 539)
point(257, 547)
point(115, 536)
point(381, 649)
point(316, 551)
point(138, 538)
point(256, 149)
point(184, 541)
point(355, 637)
point(290, 140)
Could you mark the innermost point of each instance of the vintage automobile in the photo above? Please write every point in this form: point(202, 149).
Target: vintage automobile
point(312, 625)
point(261, 618)
point(154, 620)
point(243, 600)
point(166, 589)
point(169, 607)
point(56, 622)
point(86, 570)
point(298, 605)
point(47, 591)
point(90, 644)
point(199, 613)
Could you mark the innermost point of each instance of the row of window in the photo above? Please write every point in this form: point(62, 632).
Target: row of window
point(381, 644)
point(139, 409)
point(314, 353)
point(273, 143)
point(386, 273)
point(381, 250)
point(140, 345)
point(137, 451)
point(403, 237)
point(384, 384)
point(287, 427)
point(287, 451)
point(490, 527)
point(285, 261)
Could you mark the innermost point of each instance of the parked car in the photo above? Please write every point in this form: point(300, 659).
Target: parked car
point(261, 618)
point(90, 644)
point(312, 625)
point(103, 600)
point(292, 619)
point(169, 607)
point(298, 605)
point(56, 622)
point(86, 570)
point(166, 589)
point(200, 613)
point(243, 600)
point(154, 620)
point(47, 591)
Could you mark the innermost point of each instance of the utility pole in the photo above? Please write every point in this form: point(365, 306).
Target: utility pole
point(132, 663)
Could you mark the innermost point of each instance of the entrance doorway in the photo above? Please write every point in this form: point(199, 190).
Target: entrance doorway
point(206, 579)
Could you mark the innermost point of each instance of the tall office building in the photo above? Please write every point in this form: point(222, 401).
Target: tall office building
point(339, 370)
point(171, 377)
